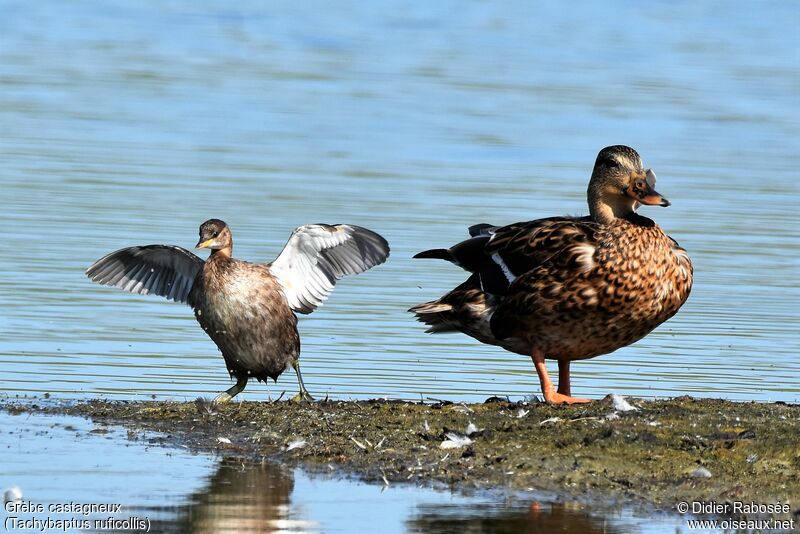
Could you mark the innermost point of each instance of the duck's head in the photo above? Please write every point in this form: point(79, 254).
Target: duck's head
point(215, 235)
point(620, 184)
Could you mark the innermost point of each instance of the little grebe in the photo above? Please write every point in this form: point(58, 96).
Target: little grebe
point(248, 309)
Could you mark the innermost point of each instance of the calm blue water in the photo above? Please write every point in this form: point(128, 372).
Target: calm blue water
point(127, 123)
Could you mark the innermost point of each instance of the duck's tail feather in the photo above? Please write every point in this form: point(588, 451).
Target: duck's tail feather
point(469, 254)
point(464, 309)
point(435, 253)
point(434, 314)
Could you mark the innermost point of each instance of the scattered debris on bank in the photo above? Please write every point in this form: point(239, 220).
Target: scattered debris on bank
point(660, 452)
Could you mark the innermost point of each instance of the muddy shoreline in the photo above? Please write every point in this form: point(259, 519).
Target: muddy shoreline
point(656, 455)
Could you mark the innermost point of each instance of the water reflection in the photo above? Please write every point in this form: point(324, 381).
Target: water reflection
point(497, 519)
point(238, 498)
point(248, 497)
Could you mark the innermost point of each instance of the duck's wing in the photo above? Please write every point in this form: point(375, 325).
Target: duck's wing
point(165, 270)
point(549, 276)
point(519, 248)
point(500, 254)
point(317, 255)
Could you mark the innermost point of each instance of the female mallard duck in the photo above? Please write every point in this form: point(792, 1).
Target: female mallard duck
point(247, 309)
point(569, 288)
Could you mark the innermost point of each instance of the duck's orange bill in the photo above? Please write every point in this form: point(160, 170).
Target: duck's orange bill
point(654, 199)
point(205, 244)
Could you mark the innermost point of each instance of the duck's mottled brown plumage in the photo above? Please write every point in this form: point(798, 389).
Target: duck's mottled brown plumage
point(577, 307)
point(569, 288)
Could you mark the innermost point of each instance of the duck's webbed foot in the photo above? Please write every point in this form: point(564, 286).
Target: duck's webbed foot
point(231, 392)
point(303, 395)
point(553, 397)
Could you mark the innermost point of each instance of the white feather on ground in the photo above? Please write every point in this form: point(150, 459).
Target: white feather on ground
point(455, 441)
point(295, 444)
point(621, 405)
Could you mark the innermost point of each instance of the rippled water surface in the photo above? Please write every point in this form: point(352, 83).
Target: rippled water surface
point(127, 123)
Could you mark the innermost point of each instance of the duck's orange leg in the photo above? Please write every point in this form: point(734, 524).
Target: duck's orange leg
point(563, 377)
point(551, 396)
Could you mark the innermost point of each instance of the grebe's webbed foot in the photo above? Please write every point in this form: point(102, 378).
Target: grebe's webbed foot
point(304, 395)
point(231, 392)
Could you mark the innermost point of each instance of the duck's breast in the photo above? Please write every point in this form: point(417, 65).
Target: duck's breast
point(644, 277)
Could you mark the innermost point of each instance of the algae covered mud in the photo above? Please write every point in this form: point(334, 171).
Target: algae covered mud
point(732, 459)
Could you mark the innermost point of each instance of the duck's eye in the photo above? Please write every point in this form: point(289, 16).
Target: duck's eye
point(610, 163)
point(639, 187)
